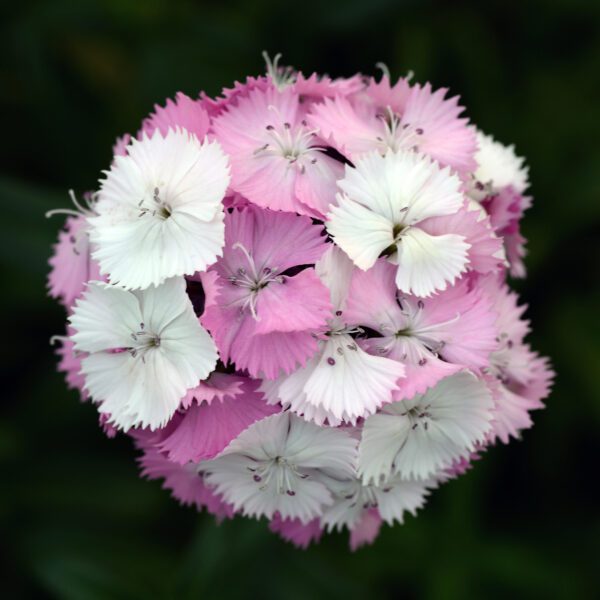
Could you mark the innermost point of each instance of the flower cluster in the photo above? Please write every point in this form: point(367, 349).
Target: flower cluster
point(293, 299)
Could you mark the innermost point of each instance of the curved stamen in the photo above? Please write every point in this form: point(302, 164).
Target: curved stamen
point(78, 211)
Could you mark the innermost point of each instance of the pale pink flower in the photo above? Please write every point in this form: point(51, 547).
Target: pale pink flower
point(277, 161)
point(433, 337)
point(518, 377)
point(420, 119)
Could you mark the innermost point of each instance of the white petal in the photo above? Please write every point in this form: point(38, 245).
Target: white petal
point(104, 318)
point(335, 271)
point(348, 382)
point(499, 166)
point(398, 497)
point(159, 210)
point(361, 233)
point(404, 187)
point(427, 263)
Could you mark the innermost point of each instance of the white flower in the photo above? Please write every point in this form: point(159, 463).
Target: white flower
point(384, 200)
point(341, 382)
point(159, 210)
point(416, 438)
point(145, 350)
point(498, 167)
point(392, 500)
point(282, 464)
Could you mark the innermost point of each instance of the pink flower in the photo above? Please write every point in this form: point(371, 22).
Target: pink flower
point(518, 378)
point(394, 118)
point(266, 314)
point(506, 210)
point(433, 337)
point(72, 265)
point(277, 161)
point(183, 112)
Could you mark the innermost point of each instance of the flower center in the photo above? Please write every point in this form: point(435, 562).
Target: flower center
point(294, 144)
point(419, 416)
point(396, 135)
point(143, 342)
point(253, 279)
point(157, 207)
point(279, 471)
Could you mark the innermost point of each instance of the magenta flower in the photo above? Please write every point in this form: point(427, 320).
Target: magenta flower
point(265, 315)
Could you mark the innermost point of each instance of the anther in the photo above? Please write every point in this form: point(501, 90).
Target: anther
point(331, 361)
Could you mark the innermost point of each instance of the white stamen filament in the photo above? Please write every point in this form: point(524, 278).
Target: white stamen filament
point(279, 469)
point(291, 143)
point(79, 211)
point(253, 281)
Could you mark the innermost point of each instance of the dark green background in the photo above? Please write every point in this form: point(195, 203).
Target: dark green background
point(76, 520)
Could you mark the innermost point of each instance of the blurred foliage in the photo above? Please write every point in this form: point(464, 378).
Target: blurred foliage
point(76, 522)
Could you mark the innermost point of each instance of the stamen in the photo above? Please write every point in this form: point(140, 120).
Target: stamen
point(78, 211)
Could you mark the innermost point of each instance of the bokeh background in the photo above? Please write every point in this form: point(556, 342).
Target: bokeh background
point(76, 521)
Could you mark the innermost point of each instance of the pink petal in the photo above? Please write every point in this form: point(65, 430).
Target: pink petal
point(301, 303)
point(339, 123)
point(205, 430)
point(261, 355)
point(71, 265)
point(183, 482)
point(372, 297)
point(486, 251)
point(275, 240)
point(70, 365)
point(420, 377)
point(446, 137)
point(219, 386)
point(366, 530)
point(293, 530)
point(183, 112)
point(465, 321)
